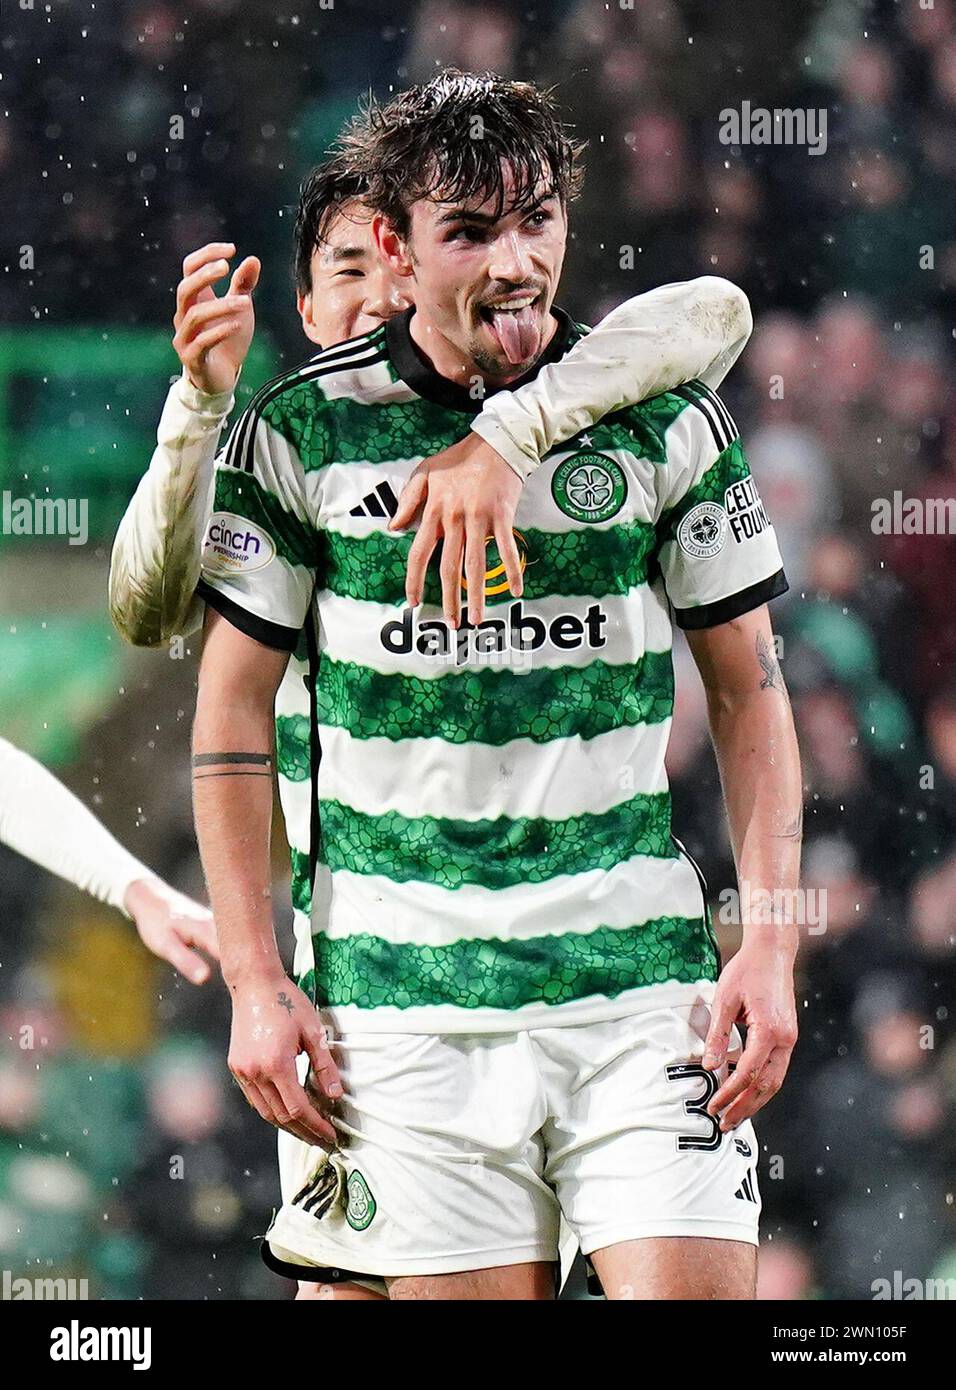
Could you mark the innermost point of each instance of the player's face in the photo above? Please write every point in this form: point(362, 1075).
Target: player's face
point(485, 285)
point(353, 289)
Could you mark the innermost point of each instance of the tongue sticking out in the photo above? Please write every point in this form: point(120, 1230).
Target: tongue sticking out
point(518, 334)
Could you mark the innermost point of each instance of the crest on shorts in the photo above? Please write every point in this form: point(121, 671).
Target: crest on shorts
point(589, 487)
point(361, 1204)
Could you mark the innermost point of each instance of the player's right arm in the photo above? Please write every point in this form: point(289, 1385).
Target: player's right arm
point(258, 576)
point(272, 1020)
point(653, 342)
point(155, 563)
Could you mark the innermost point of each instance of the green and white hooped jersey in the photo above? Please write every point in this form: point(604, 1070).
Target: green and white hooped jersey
point(485, 843)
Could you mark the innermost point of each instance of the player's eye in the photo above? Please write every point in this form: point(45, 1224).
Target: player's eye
point(352, 272)
point(468, 231)
point(540, 218)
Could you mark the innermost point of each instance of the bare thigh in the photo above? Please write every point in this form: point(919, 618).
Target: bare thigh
point(526, 1281)
point(337, 1293)
point(691, 1267)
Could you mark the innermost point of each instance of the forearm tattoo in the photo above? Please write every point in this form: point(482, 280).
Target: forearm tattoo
point(231, 765)
point(772, 678)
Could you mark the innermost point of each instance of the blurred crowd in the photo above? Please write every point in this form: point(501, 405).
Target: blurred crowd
point(126, 1155)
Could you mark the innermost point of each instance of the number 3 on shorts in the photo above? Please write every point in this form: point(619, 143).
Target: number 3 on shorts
point(709, 1143)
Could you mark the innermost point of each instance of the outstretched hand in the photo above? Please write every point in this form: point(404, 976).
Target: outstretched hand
point(173, 927)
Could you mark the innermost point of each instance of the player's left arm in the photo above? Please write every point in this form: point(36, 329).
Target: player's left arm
point(720, 565)
point(651, 343)
point(752, 729)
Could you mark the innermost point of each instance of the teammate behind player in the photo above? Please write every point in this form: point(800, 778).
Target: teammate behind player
point(511, 947)
point(652, 342)
point(655, 340)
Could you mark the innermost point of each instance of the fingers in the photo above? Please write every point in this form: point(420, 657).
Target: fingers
point(201, 270)
point(255, 1098)
point(508, 550)
point(200, 345)
point(276, 1114)
point(212, 251)
point(246, 276)
point(753, 1060)
point(197, 287)
point(189, 964)
point(423, 547)
point(193, 355)
point(413, 495)
point(201, 932)
point(200, 316)
point(762, 1089)
point(324, 1071)
point(475, 555)
point(272, 1088)
point(450, 570)
point(724, 1012)
point(295, 1111)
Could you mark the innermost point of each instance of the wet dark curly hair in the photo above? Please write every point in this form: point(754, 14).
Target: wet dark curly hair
point(457, 138)
point(322, 194)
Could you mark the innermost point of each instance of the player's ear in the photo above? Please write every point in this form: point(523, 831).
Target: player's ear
point(392, 247)
point(303, 302)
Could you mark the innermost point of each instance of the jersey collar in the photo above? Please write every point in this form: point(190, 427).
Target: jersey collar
point(416, 372)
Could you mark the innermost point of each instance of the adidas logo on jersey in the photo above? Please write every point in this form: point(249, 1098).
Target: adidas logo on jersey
point(381, 501)
point(518, 632)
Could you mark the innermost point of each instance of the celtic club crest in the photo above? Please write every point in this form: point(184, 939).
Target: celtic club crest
point(589, 487)
point(361, 1205)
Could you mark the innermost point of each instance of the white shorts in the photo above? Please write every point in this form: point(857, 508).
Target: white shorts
point(462, 1152)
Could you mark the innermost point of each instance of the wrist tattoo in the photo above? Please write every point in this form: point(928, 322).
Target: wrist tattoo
point(285, 1001)
point(231, 765)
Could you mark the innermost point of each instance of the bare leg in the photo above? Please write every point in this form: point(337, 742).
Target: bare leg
point(354, 1293)
point(526, 1282)
point(691, 1267)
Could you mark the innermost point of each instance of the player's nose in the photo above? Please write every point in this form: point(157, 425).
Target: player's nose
point(510, 260)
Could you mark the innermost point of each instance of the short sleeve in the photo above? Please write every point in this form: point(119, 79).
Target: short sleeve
point(716, 547)
point(260, 550)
